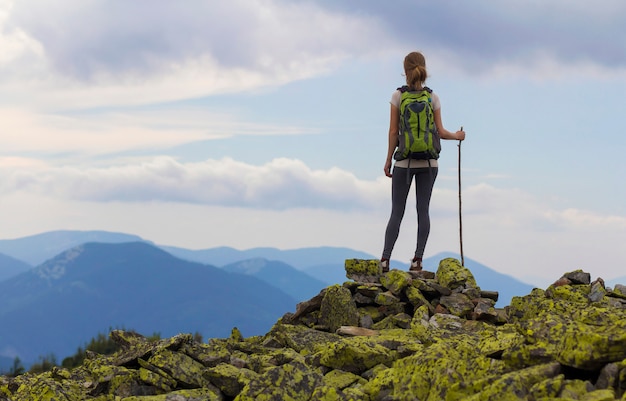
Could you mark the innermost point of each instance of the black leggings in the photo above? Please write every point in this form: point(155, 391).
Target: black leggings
point(400, 186)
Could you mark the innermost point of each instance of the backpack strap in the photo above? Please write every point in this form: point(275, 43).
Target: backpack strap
point(405, 88)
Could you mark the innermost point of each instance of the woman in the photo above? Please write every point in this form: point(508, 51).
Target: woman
point(424, 171)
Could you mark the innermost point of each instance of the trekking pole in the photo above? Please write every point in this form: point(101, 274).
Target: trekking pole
point(460, 217)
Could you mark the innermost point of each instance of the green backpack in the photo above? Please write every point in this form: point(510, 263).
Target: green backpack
point(418, 138)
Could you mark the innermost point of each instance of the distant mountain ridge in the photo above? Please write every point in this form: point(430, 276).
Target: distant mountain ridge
point(295, 283)
point(5, 364)
point(9, 266)
point(92, 285)
point(36, 249)
point(325, 264)
point(301, 258)
point(89, 289)
point(618, 280)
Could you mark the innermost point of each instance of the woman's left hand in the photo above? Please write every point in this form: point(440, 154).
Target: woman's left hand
point(388, 168)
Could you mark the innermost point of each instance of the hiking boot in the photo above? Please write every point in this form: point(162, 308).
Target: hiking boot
point(416, 265)
point(384, 264)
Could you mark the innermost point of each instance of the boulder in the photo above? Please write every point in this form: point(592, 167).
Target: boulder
point(379, 336)
point(338, 308)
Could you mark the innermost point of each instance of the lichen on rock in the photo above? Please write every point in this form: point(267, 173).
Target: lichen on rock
point(338, 308)
point(452, 274)
point(380, 336)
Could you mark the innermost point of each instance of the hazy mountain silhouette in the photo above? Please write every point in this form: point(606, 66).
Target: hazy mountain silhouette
point(36, 249)
point(10, 267)
point(301, 258)
point(5, 364)
point(618, 280)
point(295, 283)
point(63, 303)
point(325, 264)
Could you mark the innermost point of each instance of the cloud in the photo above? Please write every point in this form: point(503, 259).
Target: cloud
point(283, 184)
point(106, 132)
point(518, 37)
point(86, 54)
point(171, 202)
point(278, 185)
point(571, 218)
point(152, 51)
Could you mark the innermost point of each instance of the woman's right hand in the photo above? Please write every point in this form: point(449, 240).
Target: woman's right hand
point(388, 168)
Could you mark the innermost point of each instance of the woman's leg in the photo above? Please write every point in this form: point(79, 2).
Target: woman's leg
point(424, 183)
point(400, 185)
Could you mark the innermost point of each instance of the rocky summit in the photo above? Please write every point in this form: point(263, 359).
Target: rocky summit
point(426, 336)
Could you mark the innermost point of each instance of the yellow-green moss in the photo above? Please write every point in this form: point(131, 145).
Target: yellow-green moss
point(356, 354)
point(396, 281)
point(372, 311)
point(229, 379)
point(452, 274)
point(429, 375)
point(599, 395)
point(417, 299)
point(572, 293)
point(510, 386)
point(363, 267)
point(547, 388)
point(341, 379)
point(180, 367)
point(162, 382)
point(292, 381)
point(338, 308)
point(204, 394)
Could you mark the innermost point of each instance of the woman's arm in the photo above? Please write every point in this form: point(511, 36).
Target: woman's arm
point(394, 126)
point(444, 133)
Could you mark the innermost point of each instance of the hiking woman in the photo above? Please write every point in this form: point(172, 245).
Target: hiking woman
point(423, 169)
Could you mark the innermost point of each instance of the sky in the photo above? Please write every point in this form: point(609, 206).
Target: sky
point(263, 123)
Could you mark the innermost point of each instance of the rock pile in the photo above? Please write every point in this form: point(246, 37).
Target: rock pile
point(393, 336)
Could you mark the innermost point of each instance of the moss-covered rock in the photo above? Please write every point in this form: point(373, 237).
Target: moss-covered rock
point(583, 338)
point(45, 387)
point(338, 309)
point(452, 274)
point(430, 374)
point(292, 381)
point(153, 376)
point(396, 281)
point(511, 386)
point(355, 355)
point(229, 379)
point(458, 304)
point(204, 394)
point(363, 270)
point(302, 339)
point(392, 336)
point(180, 367)
point(341, 379)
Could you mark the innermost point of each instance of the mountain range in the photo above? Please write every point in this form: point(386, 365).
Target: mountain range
point(36, 249)
point(61, 288)
point(92, 288)
point(312, 266)
point(10, 267)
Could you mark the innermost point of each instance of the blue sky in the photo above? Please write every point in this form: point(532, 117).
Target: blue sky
point(263, 123)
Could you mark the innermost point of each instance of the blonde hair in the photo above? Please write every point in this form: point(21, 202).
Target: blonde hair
point(415, 69)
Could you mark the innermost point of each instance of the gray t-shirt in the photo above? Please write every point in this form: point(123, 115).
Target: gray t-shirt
point(395, 100)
